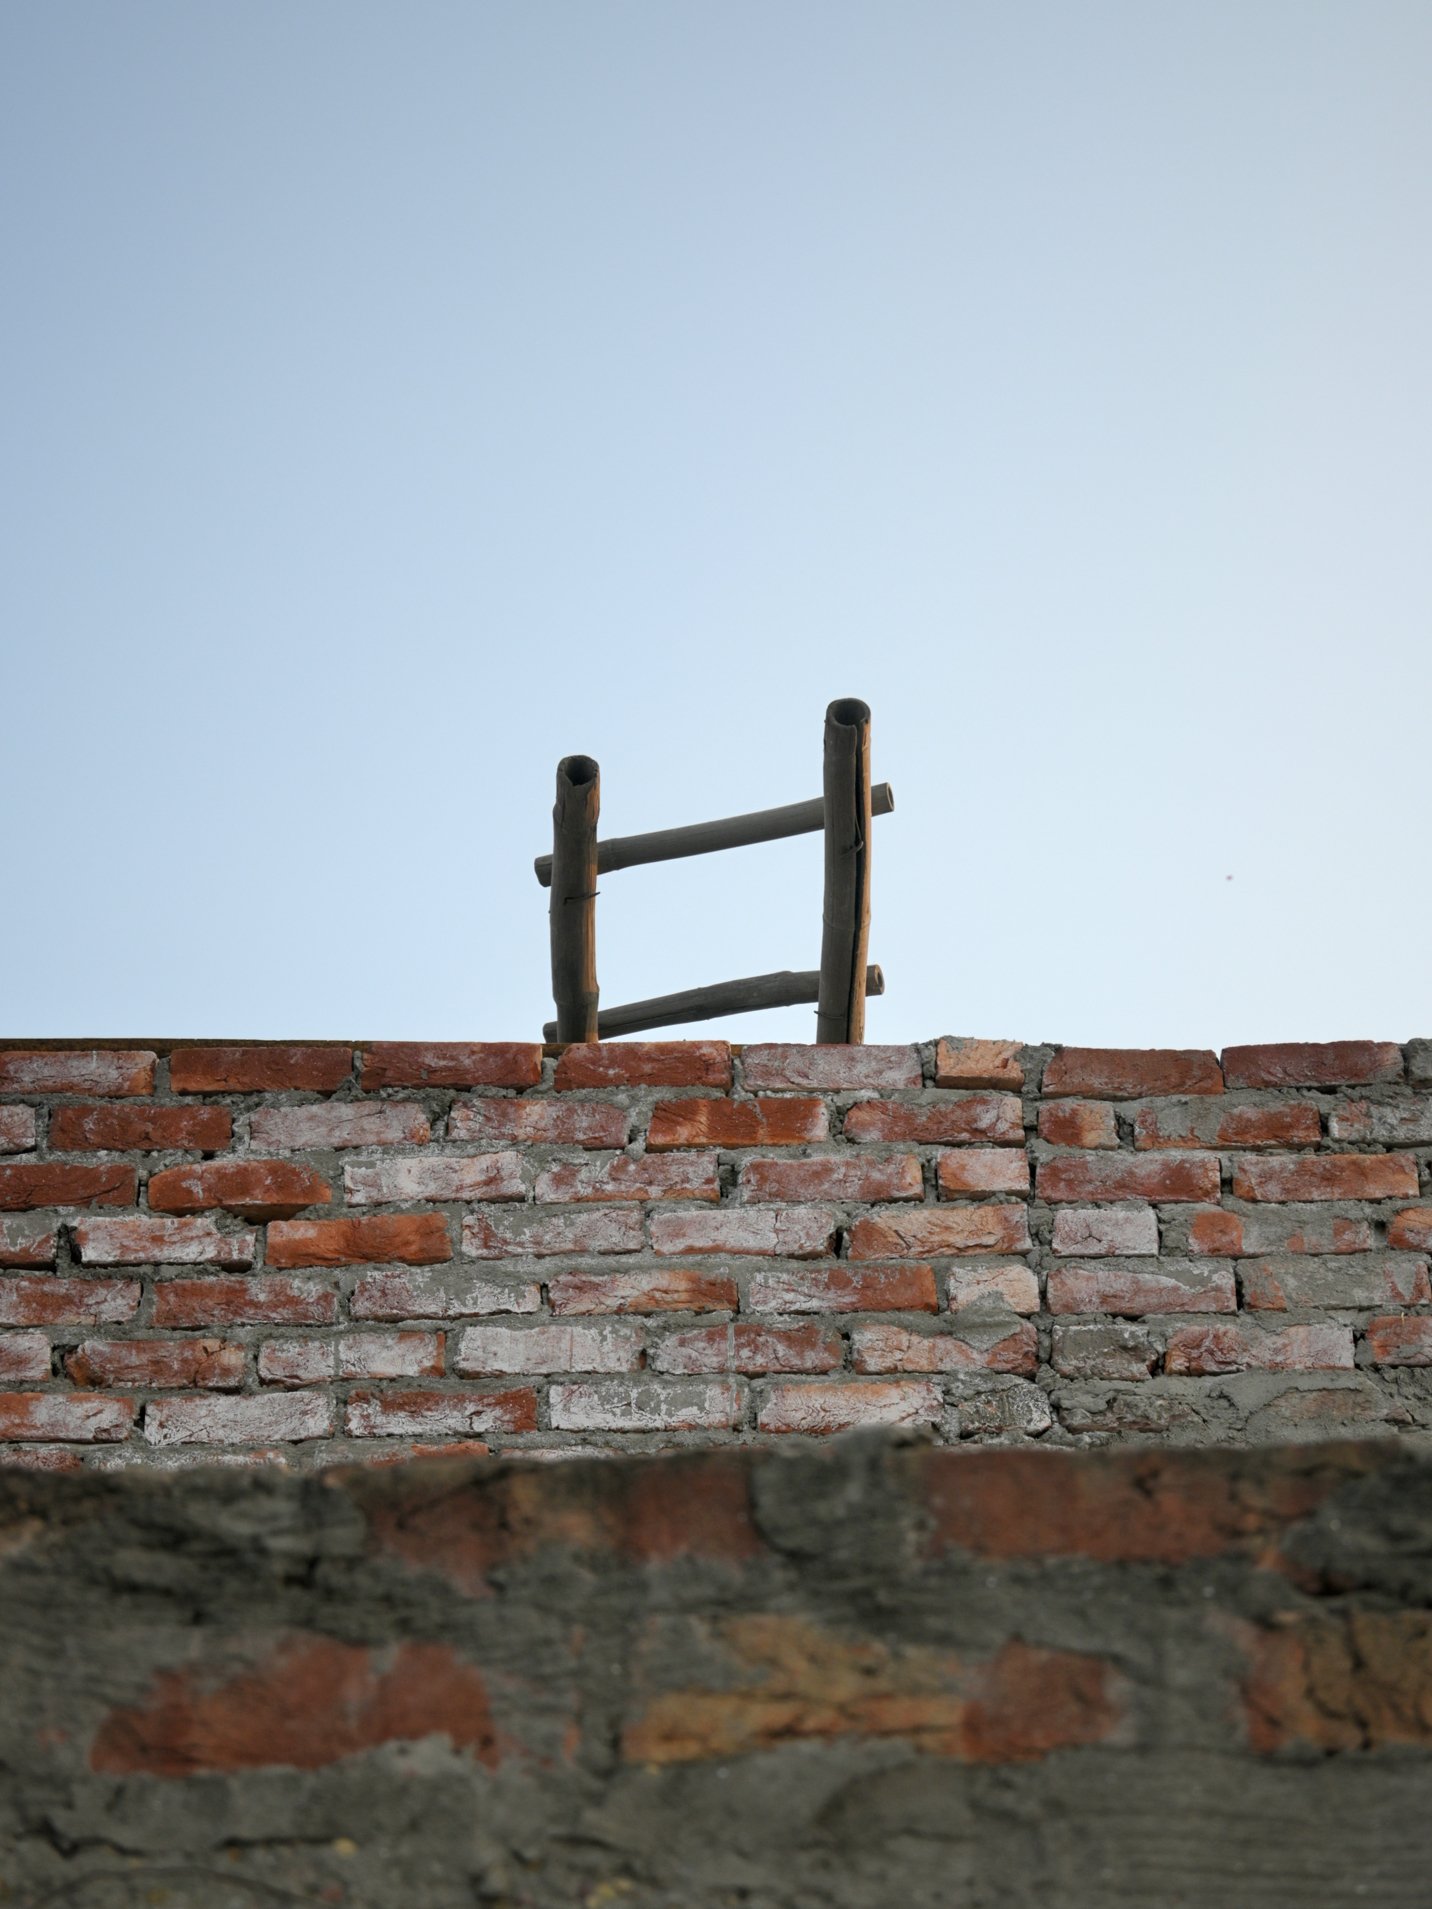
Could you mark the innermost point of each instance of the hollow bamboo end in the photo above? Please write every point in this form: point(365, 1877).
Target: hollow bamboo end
point(577, 771)
point(849, 712)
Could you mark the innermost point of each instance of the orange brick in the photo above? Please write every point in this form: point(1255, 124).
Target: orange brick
point(1130, 1073)
point(28, 1242)
point(133, 1128)
point(1400, 1340)
point(68, 1302)
point(736, 1123)
point(1412, 1229)
point(1312, 1064)
point(109, 1071)
point(1079, 1123)
point(983, 1170)
point(1334, 1176)
point(254, 1189)
point(390, 1414)
point(30, 1184)
point(843, 1287)
point(451, 1064)
point(992, 1118)
point(645, 1064)
point(653, 1289)
point(929, 1232)
point(263, 1300)
point(1221, 1235)
point(1239, 1346)
point(259, 1070)
point(155, 1363)
point(1293, 1123)
point(1161, 1177)
point(963, 1063)
point(412, 1239)
point(69, 1418)
point(1004, 1347)
point(848, 1177)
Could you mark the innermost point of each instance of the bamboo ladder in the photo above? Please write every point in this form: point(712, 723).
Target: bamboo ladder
point(843, 813)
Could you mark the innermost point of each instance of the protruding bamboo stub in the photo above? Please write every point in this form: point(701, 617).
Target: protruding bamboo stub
point(574, 897)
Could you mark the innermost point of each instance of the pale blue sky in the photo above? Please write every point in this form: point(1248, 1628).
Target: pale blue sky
point(397, 397)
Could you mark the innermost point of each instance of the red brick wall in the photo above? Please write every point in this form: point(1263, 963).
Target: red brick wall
point(316, 1251)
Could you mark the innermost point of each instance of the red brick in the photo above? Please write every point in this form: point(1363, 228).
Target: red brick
point(451, 1064)
point(1072, 1176)
point(1401, 1123)
point(395, 1293)
point(390, 1355)
point(1013, 1284)
point(1005, 1346)
point(555, 1233)
point(24, 1358)
point(843, 1287)
point(1079, 1123)
point(1089, 1349)
point(1170, 1285)
point(645, 1064)
point(17, 1129)
point(145, 1242)
point(797, 1232)
point(651, 1289)
point(264, 1300)
point(340, 1123)
point(412, 1239)
point(297, 1361)
point(251, 1420)
point(68, 1418)
point(1360, 1280)
point(136, 1129)
point(847, 1177)
point(965, 1063)
point(646, 1405)
point(933, 1232)
point(76, 1071)
point(157, 1362)
point(259, 1070)
point(831, 1069)
point(1412, 1229)
point(443, 1176)
point(1101, 1231)
point(736, 1123)
point(1240, 1346)
point(993, 1118)
point(43, 1458)
point(983, 1170)
point(818, 1406)
point(68, 1302)
point(747, 1346)
point(441, 1414)
point(28, 1242)
point(1130, 1073)
point(1312, 1064)
point(625, 1178)
point(540, 1123)
point(1291, 1123)
point(608, 1347)
point(1224, 1235)
point(254, 1189)
point(1400, 1341)
point(1334, 1176)
point(30, 1184)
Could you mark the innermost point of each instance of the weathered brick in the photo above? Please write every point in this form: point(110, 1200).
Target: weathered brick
point(24, 1358)
point(69, 1418)
point(965, 1063)
point(297, 1361)
point(994, 1118)
point(1224, 1235)
point(340, 1123)
point(797, 1232)
point(146, 1242)
point(937, 1232)
point(1400, 1341)
point(736, 1123)
point(1419, 1063)
point(1392, 1123)
point(819, 1406)
point(747, 1346)
point(539, 1123)
point(395, 1293)
point(451, 1064)
point(413, 1239)
point(1312, 1064)
point(1131, 1073)
point(1125, 1176)
point(1288, 1123)
point(138, 1129)
point(623, 1178)
point(442, 1176)
point(848, 1177)
point(646, 1405)
point(45, 1458)
point(1001, 1347)
point(983, 1170)
point(1103, 1231)
point(28, 1242)
point(1241, 1346)
point(843, 1286)
point(68, 1302)
point(1166, 1285)
point(17, 1129)
point(254, 1189)
point(647, 1289)
point(1088, 1349)
point(252, 1420)
point(561, 1232)
point(442, 1414)
point(608, 1347)
point(994, 1405)
point(107, 1071)
point(1334, 1176)
point(1361, 1280)
point(263, 1300)
point(259, 1070)
point(31, 1183)
point(1079, 1123)
point(831, 1069)
point(645, 1064)
point(390, 1355)
point(208, 1363)
point(1412, 1229)
point(1012, 1284)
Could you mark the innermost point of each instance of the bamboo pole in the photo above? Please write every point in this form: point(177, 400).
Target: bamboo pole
point(845, 928)
point(704, 838)
point(574, 898)
point(784, 989)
